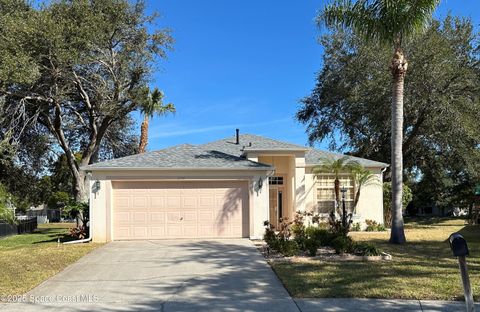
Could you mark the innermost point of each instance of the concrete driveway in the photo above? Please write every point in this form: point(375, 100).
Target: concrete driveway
point(216, 275)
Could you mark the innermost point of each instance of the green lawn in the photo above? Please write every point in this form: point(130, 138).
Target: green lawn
point(26, 260)
point(424, 268)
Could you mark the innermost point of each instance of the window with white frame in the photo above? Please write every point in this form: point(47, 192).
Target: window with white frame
point(325, 192)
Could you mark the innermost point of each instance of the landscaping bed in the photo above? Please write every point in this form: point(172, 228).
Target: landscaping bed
point(423, 268)
point(28, 259)
point(323, 253)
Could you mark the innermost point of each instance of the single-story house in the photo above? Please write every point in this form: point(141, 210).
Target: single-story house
point(226, 188)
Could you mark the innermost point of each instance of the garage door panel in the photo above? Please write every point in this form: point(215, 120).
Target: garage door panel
point(157, 202)
point(189, 201)
point(122, 216)
point(122, 232)
point(121, 201)
point(174, 231)
point(156, 210)
point(139, 217)
point(140, 232)
point(205, 215)
point(190, 216)
point(157, 232)
point(173, 202)
point(140, 201)
point(174, 217)
point(157, 217)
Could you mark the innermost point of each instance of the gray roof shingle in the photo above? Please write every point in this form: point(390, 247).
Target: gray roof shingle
point(220, 154)
point(250, 142)
point(184, 156)
point(313, 156)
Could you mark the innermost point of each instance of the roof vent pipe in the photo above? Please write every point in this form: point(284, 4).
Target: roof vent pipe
point(237, 136)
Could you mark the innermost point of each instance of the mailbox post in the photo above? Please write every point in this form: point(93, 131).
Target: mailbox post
point(459, 247)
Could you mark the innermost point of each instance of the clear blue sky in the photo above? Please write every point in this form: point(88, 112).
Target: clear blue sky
point(243, 64)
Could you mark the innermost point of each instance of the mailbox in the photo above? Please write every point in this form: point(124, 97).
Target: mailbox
point(458, 244)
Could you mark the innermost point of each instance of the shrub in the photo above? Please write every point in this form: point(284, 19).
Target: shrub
point(312, 245)
point(366, 249)
point(269, 237)
point(356, 227)
point(373, 226)
point(80, 232)
point(343, 244)
point(322, 236)
point(281, 241)
point(337, 226)
point(288, 248)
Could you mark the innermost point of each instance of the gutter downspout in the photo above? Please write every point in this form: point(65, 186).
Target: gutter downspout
point(85, 240)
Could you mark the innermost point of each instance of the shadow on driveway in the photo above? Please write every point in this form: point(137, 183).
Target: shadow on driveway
point(215, 275)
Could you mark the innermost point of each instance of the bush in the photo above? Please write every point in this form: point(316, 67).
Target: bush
point(281, 241)
point(343, 244)
point(322, 236)
point(356, 227)
point(366, 249)
point(312, 245)
point(373, 226)
point(80, 232)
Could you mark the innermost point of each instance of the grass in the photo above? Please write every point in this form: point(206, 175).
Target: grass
point(26, 260)
point(423, 268)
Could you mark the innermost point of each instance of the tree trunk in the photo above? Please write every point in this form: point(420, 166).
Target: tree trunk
point(337, 195)
point(143, 135)
point(398, 69)
point(355, 202)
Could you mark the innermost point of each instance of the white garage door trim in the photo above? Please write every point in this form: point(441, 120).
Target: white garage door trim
point(179, 209)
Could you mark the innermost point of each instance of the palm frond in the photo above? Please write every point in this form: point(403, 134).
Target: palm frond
point(386, 21)
point(335, 165)
point(153, 104)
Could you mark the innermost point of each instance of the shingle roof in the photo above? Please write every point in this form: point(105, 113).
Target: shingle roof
point(184, 156)
point(250, 142)
point(220, 154)
point(312, 157)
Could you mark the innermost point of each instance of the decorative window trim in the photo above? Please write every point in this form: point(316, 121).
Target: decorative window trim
point(276, 180)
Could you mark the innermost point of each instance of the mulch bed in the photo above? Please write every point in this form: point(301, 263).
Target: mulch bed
point(323, 253)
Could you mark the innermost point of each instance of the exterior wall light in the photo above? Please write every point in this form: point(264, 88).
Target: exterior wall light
point(96, 186)
point(260, 183)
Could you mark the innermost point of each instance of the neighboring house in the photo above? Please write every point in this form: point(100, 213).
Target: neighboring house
point(43, 214)
point(225, 188)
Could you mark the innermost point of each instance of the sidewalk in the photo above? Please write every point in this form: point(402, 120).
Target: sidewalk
point(380, 305)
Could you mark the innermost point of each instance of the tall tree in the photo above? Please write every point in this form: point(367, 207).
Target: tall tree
point(336, 167)
point(80, 67)
point(153, 105)
point(389, 22)
point(442, 107)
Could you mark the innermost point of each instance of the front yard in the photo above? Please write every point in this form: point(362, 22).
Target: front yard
point(26, 260)
point(424, 268)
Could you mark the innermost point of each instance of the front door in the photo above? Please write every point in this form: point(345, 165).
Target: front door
point(276, 205)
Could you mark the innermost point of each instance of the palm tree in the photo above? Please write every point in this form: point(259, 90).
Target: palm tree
point(387, 22)
point(362, 177)
point(335, 167)
point(152, 105)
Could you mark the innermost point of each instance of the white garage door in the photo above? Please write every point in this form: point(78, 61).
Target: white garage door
point(159, 210)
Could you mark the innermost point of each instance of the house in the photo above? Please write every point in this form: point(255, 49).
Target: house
point(225, 188)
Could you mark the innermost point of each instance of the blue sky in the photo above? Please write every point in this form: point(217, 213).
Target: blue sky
point(243, 64)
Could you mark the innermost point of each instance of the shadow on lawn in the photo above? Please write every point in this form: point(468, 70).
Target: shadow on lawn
point(419, 269)
point(51, 235)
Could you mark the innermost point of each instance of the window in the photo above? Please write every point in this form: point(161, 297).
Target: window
point(275, 181)
point(325, 192)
